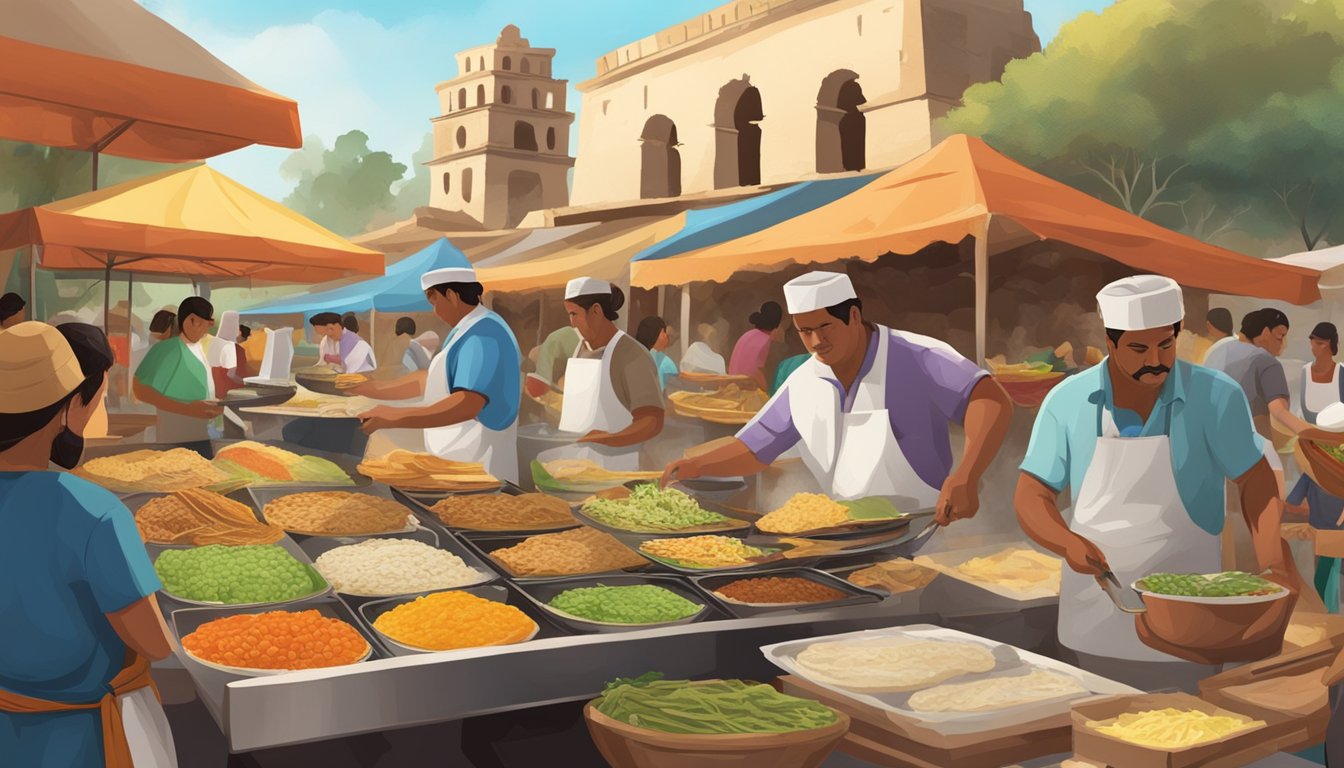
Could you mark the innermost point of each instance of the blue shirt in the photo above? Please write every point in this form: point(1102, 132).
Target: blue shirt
point(666, 367)
point(1212, 437)
point(69, 554)
point(487, 361)
point(1323, 510)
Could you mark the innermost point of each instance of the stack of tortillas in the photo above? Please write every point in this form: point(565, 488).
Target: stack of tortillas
point(892, 664)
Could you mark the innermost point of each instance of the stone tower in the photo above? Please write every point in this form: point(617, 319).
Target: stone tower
point(501, 145)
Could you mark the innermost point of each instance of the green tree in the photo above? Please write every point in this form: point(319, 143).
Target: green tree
point(414, 192)
point(344, 188)
point(1200, 114)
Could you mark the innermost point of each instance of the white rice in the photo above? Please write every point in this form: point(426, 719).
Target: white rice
point(382, 567)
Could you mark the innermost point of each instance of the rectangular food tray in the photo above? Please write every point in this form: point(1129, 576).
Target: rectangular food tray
point(421, 505)
point(484, 544)
point(541, 593)
point(501, 593)
point(261, 497)
point(854, 595)
point(347, 463)
point(316, 546)
point(743, 520)
point(288, 544)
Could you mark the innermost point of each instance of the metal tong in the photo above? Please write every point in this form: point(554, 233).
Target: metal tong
point(1125, 598)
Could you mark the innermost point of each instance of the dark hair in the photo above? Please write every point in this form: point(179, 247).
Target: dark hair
point(770, 316)
point(349, 322)
point(1327, 332)
point(610, 303)
point(95, 360)
point(163, 321)
point(650, 328)
point(405, 326)
point(244, 333)
point(469, 293)
point(1255, 323)
point(194, 306)
point(324, 318)
point(11, 304)
point(841, 311)
point(1221, 319)
point(1114, 335)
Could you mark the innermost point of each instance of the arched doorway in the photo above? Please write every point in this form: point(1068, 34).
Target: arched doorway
point(737, 135)
point(660, 164)
point(525, 195)
point(842, 132)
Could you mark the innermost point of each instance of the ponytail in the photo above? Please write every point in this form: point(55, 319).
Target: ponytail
point(610, 303)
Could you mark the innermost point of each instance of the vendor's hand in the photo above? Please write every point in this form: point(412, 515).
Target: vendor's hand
point(596, 436)
point(1085, 557)
point(379, 417)
point(682, 469)
point(366, 388)
point(959, 500)
point(1318, 435)
point(204, 410)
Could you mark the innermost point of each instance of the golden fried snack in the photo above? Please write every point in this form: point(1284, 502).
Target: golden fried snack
point(149, 471)
point(568, 553)
point(199, 517)
point(336, 513)
point(502, 512)
point(426, 472)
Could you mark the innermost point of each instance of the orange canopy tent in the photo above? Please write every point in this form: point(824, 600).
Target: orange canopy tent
point(963, 188)
point(110, 76)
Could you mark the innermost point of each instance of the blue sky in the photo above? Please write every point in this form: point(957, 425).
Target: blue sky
point(374, 65)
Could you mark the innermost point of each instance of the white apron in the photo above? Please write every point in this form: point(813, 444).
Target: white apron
point(855, 455)
point(590, 403)
point(147, 732)
point(1130, 507)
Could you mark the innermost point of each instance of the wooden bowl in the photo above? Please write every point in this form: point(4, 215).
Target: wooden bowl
point(625, 746)
point(1028, 392)
point(1320, 466)
point(1216, 633)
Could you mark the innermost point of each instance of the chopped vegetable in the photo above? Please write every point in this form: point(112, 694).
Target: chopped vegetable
point(652, 509)
point(260, 573)
point(1227, 584)
point(709, 706)
point(635, 604)
point(704, 551)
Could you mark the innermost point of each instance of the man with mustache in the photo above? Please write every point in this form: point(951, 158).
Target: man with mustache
point(1143, 442)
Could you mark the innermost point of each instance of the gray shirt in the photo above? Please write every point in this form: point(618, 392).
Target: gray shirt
point(1259, 373)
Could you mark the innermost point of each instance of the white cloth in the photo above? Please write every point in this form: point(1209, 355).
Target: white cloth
point(817, 290)
point(854, 455)
point(1218, 344)
point(699, 358)
point(1130, 507)
point(586, 286)
point(1319, 396)
point(1141, 302)
point(447, 275)
point(224, 350)
point(199, 352)
point(590, 403)
point(360, 359)
point(147, 733)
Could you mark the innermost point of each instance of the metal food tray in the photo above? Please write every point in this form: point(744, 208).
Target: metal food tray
point(286, 543)
point(1010, 661)
point(316, 546)
point(541, 593)
point(627, 535)
point(855, 595)
point(321, 384)
point(500, 593)
point(421, 505)
point(428, 498)
point(266, 396)
point(981, 597)
point(262, 497)
point(135, 501)
point(483, 544)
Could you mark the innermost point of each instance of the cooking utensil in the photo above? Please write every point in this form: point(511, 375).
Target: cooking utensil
point(1126, 599)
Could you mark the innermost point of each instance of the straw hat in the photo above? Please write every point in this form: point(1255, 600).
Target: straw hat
point(37, 368)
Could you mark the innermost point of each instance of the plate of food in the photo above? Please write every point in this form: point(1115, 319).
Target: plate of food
point(509, 511)
point(817, 515)
point(647, 509)
point(275, 642)
point(1226, 588)
point(583, 476)
point(457, 619)
point(707, 552)
point(239, 576)
point(198, 517)
point(618, 603)
point(408, 470)
point(364, 512)
point(576, 552)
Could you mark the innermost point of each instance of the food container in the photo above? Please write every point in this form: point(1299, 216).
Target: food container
point(1237, 749)
point(264, 496)
point(321, 383)
point(320, 585)
point(541, 593)
point(625, 746)
point(770, 557)
point(370, 612)
point(739, 523)
point(347, 463)
point(1210, 630)
point(316, 546)
point(421, 504)
point(184, 621)
point(1028, 392)
point(1046, 593)
point(257, 396)
point(1323, 468)
point(854, 595)
point(484, 544)
point(135, 501)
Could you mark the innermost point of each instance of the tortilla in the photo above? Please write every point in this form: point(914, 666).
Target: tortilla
point(892, 664)
point(996, 693)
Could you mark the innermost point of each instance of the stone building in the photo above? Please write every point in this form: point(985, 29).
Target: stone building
point(501, 145)
point(770, 91)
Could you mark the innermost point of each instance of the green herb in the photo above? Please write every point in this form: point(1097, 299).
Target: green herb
point(1228, 584)
point(652, 509)
point(635, 604)
point(873, 508)
point(255, 573)
point(709, 706)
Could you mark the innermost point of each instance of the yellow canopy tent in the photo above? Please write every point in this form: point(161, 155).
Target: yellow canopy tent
point(963, 188)
point(600, 250)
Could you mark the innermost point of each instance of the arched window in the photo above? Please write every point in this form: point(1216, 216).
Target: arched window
point(508, 63)
point(480, 95)
point(461, 137)
point(841, 128)
point(737, 135)
point(660, 166)
point(524, 137)
point(550, 101)
point(536, 96)
point(461, 98)
point(506, 95)
point(468, 64)
point(447, 182)
point(482, 62)
point(526, 66)
point(466, 184)
point(550, 138)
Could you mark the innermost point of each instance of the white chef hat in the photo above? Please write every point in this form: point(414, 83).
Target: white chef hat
point(447, 275)
point(1141, 302)
point(586, 286)
point(817, 290)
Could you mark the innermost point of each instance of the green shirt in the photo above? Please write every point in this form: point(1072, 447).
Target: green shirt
point(555, 352)
point(170, 369)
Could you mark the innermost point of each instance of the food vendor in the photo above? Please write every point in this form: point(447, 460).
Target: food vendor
point(471, 392)
point(340, 346)
point(753, 347)
point(1144, 442)
point(81, 624)
point(175, 378)
point(612, 392)
point(225, 370)
point(870, 410)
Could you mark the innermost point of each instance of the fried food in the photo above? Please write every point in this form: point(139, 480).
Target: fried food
point(199, 517)
point(448, 620)
point(426, 472)
point(262, 465)
point(585, 472)
point(805, 512)
point(997, 693)
point(704, 551)
point(892, 664)
point(729, 404)
point(277, 640)
point(503, 512)
point(337, 513)
point(568, 553)
point(150, 471)
point(350, 380)
point(895, 576)
point(1173, 728)
point(1016, 568)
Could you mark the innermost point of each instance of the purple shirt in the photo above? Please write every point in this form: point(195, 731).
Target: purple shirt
point(749, 353)
point(927, 387)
